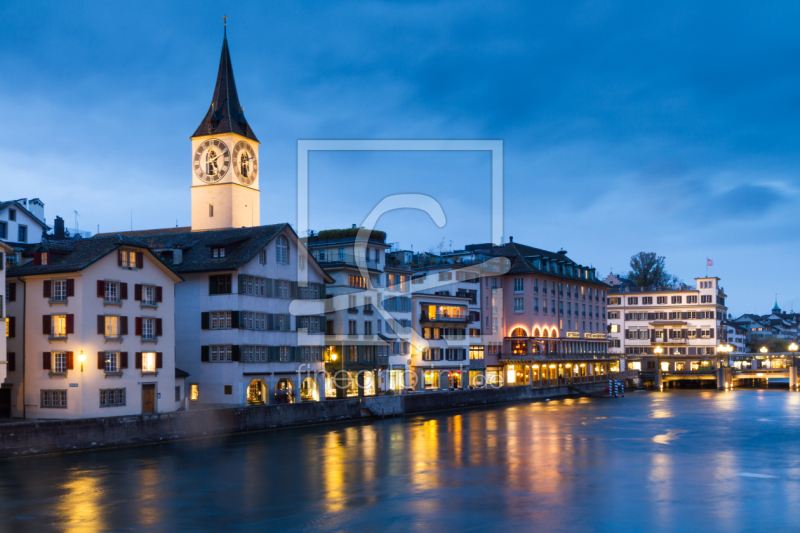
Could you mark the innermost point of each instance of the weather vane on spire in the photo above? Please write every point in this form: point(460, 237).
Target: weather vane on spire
point(225, 24)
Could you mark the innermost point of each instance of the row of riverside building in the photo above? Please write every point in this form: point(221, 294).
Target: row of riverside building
point(228, 313)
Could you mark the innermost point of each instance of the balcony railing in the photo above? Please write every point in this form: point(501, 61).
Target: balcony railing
point(425, 319)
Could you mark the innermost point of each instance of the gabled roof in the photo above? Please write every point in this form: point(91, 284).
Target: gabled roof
point(5, 205)
point(241, 245)
point(226, 114)
point(74, 256)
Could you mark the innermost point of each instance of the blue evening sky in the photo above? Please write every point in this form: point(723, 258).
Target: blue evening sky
point(658, 126)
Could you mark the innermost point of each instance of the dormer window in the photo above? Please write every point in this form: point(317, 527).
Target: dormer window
point(45, 258)
point(218, 252)
point(262, 257)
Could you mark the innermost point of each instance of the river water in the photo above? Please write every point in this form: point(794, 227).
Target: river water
point(679, 460)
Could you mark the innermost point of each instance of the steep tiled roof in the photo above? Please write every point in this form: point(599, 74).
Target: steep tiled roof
point(226, 114)
point(73, 256)
point(241, 245)
point(520, 264)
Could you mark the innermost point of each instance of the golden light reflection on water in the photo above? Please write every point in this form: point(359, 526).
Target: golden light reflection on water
point(333, 472)
point(80, 506)
point(150, 500)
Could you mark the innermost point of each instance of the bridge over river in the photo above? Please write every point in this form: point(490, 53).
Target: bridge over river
point(726, 371)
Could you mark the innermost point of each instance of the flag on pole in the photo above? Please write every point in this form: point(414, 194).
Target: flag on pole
point(710, 262)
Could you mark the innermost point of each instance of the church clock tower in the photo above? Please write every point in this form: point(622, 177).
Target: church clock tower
point(225, 160)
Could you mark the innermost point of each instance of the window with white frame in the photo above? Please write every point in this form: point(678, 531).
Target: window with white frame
point(59, 363)
point(59, 291)
point(148, 362)
point(148, 328)
point(282, 250)
point(220, 319)
point(148, 295)
point(112, 397)
point(112, 361)
point(218, 252)
point(519, 285)
point(262, 257)
point(220, 353)
point(283, 354)
point(111, 291)
point(54, 399)
point(519, 305)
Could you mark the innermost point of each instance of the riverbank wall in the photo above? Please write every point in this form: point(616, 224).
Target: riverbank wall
point(32, 437)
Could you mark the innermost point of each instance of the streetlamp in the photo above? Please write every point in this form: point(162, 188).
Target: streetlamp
point(793, 348)
point(658, 350)
point(763, 349)
point(81, 358)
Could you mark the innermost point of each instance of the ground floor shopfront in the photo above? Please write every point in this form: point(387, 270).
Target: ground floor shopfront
point(517, 372)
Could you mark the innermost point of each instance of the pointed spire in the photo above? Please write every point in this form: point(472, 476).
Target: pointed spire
point(226, 114)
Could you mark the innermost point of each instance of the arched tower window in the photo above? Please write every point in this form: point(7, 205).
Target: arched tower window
point(519, 332)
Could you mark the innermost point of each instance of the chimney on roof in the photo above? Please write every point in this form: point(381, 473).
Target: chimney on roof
point(58, 228)
point(354, 226)
point(511, 239)
point(562, 252)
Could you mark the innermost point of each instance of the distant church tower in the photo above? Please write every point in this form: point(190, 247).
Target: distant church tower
point(224, 160)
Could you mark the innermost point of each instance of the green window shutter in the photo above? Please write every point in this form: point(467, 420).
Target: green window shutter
point(212, 284)
point(2, 261)
point(270, 288)
point(360, 354)
point(323, 324)
point(241, 284)
point(272, 353)
point(322, 289)
point(293, 353)
point(235, 319)
point(204, 320)
point(269, 322)
point(287, 322)
point(235, 352)
point(204, 354)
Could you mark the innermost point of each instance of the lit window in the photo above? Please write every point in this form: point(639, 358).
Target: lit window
point(112, 327)
point(44, 258)
point(59, 325)
point(194, 393)
point(127, 259)
point(148, 362)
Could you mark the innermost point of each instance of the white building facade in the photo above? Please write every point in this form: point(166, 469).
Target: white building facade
point(92, 331)
point(684, 323)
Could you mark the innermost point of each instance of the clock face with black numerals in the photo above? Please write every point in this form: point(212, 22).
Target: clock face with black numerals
point(245, 164)
point(212, 160)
